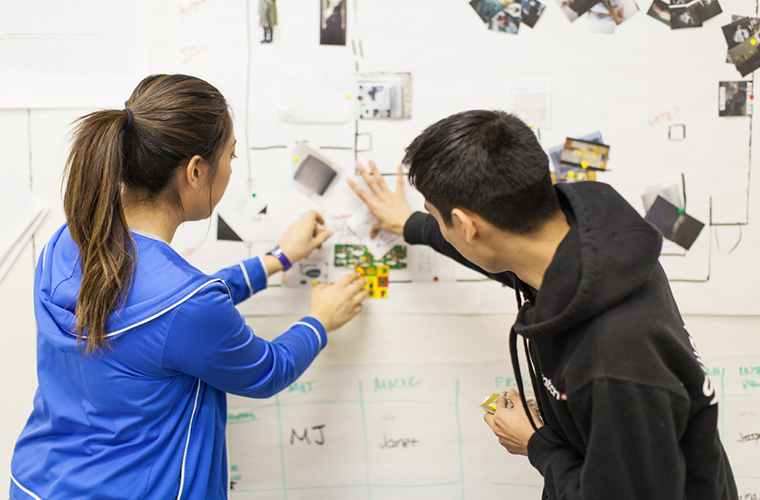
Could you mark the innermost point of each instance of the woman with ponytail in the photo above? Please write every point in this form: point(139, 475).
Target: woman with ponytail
point(137, 348)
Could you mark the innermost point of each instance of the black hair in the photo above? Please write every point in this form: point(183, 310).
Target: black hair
point(488, 162)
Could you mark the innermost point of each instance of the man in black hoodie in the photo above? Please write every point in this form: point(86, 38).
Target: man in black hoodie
point(627, 409)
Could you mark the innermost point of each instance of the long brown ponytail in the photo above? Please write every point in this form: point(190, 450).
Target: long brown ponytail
point(167, 120)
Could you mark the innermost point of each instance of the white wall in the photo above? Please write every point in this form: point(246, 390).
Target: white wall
point(400, 338)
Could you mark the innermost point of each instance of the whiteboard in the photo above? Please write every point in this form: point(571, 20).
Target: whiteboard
point(631, 86)
point(407, 431)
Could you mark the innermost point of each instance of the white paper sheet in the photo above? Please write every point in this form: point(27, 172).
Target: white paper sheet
point(61, 54)
point(529, 100)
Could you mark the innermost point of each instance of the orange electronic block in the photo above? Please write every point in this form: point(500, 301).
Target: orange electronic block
point(377, 280)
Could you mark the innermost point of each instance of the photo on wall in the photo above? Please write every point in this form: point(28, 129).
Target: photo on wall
point(681, 17)
point(735, 98)
point(573, 9)
point(746, 55)
point(704, 9)
point(531, 11)
point(487, 9)
point(333, 20)
point(585, 154)
point(384, 95)
point(675, 225)
point(508, 19)
point(739, 33)
point(660, 11)
point(598, 20)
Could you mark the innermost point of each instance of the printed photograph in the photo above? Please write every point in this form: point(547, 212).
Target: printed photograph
point(585, 154)
point(577, 175)
point(734, 98)
point(673, 223)
point(598, 20)
point(333, 22)
point(703, 10)
point(660, 11)
point(620, 10)
point(487, 9)
point(754, 22)
point(315, 175)
point(746, 55)
point(575, 8)
point(508, 19)
point(737, 32)
point(680, 17)
point(384, 95)
point(531, 11)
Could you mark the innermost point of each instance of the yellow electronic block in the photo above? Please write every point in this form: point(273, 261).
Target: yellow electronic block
point(377, 280)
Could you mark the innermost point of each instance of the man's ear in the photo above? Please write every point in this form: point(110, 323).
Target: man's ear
point(194, 171)
point(465, 222)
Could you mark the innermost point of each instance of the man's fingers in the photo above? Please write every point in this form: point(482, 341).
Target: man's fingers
point(514, 397)
point(501, 402)
point(488, 417)
point(359, 191)
point(400, 179)
point(368, 179)
point(374, 230)
point(378, 177)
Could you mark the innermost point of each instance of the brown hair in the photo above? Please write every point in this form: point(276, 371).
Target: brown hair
point(167, 120)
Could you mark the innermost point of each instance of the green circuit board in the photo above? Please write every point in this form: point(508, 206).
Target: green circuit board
point(357, 255)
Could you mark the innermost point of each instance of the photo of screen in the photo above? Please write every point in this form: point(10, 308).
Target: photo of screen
point(315, 175)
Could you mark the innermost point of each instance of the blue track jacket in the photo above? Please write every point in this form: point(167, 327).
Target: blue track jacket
point(146, 418)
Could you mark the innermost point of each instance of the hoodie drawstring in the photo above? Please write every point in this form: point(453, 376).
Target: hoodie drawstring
point(516, 368)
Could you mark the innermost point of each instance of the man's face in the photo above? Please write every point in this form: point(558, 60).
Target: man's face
point(475, 251)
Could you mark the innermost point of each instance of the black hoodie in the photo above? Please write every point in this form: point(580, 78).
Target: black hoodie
point(628, 407)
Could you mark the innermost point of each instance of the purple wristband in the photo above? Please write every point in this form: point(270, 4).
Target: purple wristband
point(277, 253)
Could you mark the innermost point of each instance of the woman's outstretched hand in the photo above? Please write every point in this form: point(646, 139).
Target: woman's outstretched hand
point(334, 305)
point(303, 237)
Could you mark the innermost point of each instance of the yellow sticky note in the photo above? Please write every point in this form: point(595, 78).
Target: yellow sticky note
point(489, 404)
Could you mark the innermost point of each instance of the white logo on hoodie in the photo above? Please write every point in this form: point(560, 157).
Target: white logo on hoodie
point(707, 389)
point(559, 396)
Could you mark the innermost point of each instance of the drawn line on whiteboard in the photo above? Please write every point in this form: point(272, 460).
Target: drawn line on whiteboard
point(282, 451)
point(345, 401)
point(519, 485)
point(248, 82)
point(344, 486)
point(722, 403)
point(366, 446)
point(459, 438)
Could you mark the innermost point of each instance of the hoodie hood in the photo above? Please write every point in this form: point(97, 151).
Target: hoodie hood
point(166, 282)
point(609, 252)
